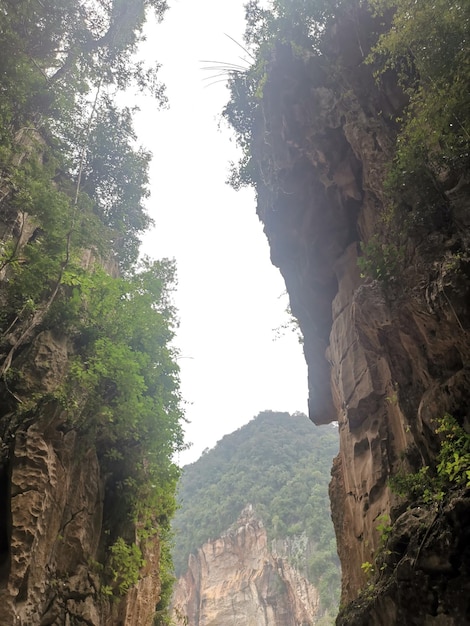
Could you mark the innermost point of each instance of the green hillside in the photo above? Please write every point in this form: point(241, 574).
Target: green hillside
point(281, 464)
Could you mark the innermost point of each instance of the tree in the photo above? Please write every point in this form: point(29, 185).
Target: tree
point(73, 187)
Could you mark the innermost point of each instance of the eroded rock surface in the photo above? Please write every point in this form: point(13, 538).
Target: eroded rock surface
point(52, 524)
point(428, 556)
point(235, 579)
point(384, 363)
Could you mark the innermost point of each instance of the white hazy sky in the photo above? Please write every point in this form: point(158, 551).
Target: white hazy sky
point(230, 298)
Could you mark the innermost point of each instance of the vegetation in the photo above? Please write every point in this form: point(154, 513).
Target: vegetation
point(280, 464)
point(427, 46)
point(380, 261)
point(421, 48)
point(452, 468)
point(426, 489)
point(125, 563)
point(73, 184)
point(296, 23)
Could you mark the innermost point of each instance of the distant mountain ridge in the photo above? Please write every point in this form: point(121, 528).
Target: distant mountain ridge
point(280, 464)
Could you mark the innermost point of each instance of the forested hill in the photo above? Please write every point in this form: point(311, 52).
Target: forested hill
point(279, 463)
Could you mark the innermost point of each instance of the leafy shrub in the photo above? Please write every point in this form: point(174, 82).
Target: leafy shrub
point(452, 466)
point(380, 261)
point(427, 47)
point(454, 456)
point(124, 564)
point(415, 486)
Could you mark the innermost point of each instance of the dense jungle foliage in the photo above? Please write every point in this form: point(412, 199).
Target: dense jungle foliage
point(280, 464)
point(73, 185)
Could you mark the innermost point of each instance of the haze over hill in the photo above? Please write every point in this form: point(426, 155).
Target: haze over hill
point(280, 464)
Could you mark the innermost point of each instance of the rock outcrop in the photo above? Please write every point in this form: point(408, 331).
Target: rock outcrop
point(382, 364)
point(56, 518)
point(235, 579)
point(90, 409)
point(53, 522)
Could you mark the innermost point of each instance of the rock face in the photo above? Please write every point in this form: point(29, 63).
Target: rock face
point(53, 523)
point(52, 520)
point(383, 365)
point(235, 579)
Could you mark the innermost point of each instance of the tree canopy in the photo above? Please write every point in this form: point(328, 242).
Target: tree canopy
point(61, 66)
point(427, 46)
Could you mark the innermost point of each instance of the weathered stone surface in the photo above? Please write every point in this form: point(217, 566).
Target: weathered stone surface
point(56, 513)
point(426, 580)
point(383, 363)
point(52, 523)
point(138, 607)
point(236, 579)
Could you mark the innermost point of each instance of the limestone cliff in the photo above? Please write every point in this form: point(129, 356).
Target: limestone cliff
point(81, 523)
point(383, 363)
point(53, 522)
point(236, 579)
point(89, 390)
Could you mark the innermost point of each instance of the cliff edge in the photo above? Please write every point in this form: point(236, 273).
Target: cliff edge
point(383, 306)
point(90, 414)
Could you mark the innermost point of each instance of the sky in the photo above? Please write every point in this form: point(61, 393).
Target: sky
point(230, 298)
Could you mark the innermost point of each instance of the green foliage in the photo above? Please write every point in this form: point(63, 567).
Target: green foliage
point(380, 261)
point(454, 456)
point(426, 487)
point(123, 385)
point(368, 568)
point(419, 486)
point(427, 45)
point(124, 564)
point(106, 590)
point(296, 23)
point(241, 112)
point(115, 176)
point(292, 325)
point(167, 579)
point(384, 527)
point(281, 465)
point(53, 59)
point(73, 186)
point(452, 468)
point(288, 21)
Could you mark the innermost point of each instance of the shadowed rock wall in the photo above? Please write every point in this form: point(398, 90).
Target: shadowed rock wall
point(53, 526)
